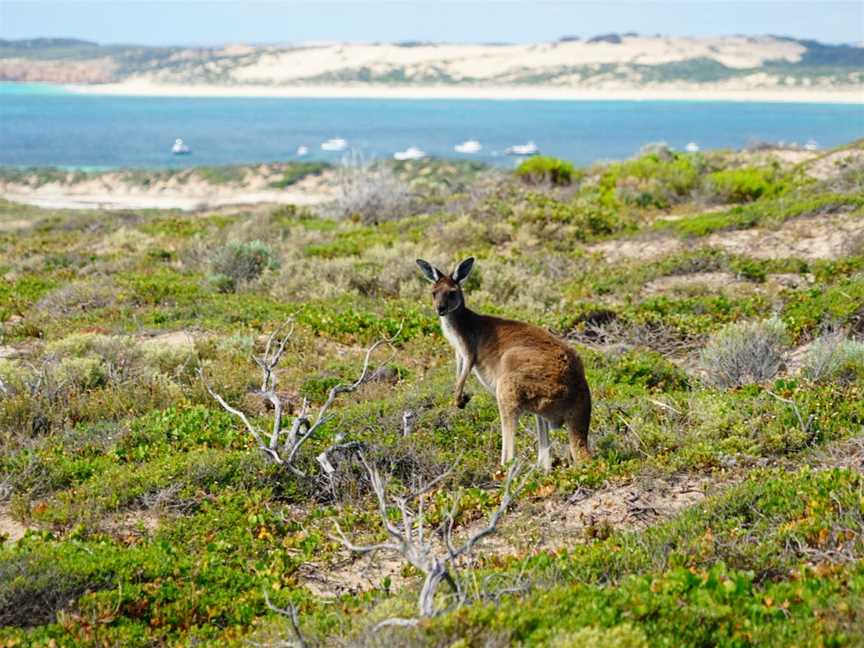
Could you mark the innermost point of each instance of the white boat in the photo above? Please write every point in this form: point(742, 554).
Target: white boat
point(692, 147)
point(411, 153)
point(302, 150)
point(334, 144)
point(180, 147)
point(468, 146)
point(523, 149)
point(811, 145)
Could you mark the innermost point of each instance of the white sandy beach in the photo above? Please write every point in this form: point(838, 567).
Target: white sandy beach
point(523, 92)
point(176, 200)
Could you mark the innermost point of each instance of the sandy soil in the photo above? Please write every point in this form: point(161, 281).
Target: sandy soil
point(111, 191)
point(812, 238)
point(479, 62)
point(684, 92)
point(551, 521)
point(833, 163)
point(715, 281)
point(165, 201)
point(12, 529)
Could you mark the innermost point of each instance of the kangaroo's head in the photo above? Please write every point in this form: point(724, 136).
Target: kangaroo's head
point(447, 289)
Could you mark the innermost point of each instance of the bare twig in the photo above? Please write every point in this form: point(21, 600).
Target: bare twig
point(291, 615)
point(806, 427)
point(410, 539)
point(409, 417)
point(302, 427)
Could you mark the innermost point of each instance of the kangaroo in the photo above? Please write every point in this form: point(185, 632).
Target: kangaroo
point(526, 368)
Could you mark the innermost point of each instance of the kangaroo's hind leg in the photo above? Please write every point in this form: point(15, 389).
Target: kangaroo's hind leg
point(544, 456)
point(577, 425)
point(506, 393)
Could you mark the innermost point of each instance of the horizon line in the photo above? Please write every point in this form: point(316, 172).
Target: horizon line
point(409, 42)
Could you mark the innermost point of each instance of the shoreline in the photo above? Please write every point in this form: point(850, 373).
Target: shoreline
point(170, 200)
point(494, 93)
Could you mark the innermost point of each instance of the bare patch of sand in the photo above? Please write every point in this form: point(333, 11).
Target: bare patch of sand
point(646, 247)
point(550, 522)
point(811, 238)
point(545, 523)
point(176, 200)
point(120, 190)
point(131, 525)
point(723, 282)
point(15, 225)
point(789, 280)
point(21, 350)
point(718, 281)
point(828, 166)
point(175, 339)
point(9, 527)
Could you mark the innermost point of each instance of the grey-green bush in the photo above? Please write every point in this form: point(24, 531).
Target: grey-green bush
point(238, 263)
point(371, 193)
point(745, 352)
point(832, 355)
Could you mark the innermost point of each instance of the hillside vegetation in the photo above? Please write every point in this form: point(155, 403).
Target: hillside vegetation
point(717, 300)
point(609, 61)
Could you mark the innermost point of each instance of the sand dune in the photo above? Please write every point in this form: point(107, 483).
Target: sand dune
point(497, 62)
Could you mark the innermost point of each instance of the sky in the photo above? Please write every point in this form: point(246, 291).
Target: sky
point(213, 22)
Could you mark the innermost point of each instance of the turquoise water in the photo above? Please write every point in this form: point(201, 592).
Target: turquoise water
point(13, 88)
point(44, 126)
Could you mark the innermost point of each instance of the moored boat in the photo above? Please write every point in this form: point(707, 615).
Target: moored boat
point(180, 147)
point(411, 153)
point(334, 144)
point(523, 149)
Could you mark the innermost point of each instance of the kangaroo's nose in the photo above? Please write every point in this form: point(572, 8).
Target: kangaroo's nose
point(442, 310)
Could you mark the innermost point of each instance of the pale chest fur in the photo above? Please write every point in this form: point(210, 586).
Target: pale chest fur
point(453, 338)
point(457, 342)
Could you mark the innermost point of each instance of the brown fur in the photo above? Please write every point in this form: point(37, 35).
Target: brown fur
point(529, 369)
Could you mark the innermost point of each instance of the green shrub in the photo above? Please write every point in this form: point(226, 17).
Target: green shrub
point(750, 269)
point(316, 389)
point(745, 352)
point(541, 169)
point(171, 360)
point(622, 636)
point(239, 263)
point(649, 370)
point(653, 180)
point(77, 297)
point(11, 376)
point(83, 373)
point(705, 224)
point(17, 295)
point(808, 310)
point(118, 355)
point(741, 185)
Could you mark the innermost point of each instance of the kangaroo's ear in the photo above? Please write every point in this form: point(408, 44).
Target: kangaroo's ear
point(429, 271)
point(463, 270)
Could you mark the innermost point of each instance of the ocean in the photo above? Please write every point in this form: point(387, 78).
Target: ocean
point(44, 126)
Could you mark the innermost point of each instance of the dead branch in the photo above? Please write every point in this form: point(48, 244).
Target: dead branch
point(409, 417)
point(410, 538)
point(665, 340)
point(282, 445)
point(291, 614)
point(806, 426)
